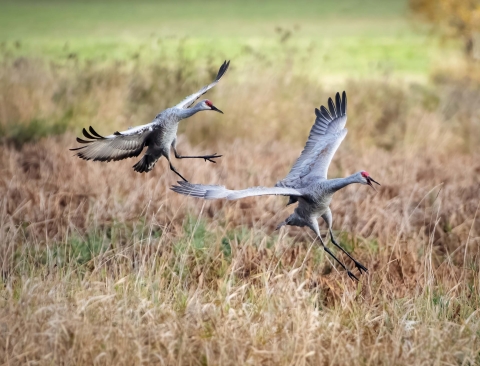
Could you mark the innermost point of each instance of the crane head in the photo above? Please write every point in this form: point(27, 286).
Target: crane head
point(367, 179)
point(211, 107)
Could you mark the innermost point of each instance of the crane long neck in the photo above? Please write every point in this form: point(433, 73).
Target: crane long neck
point(339, 183)
point(188, 112)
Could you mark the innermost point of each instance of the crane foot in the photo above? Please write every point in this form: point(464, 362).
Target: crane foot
point(210, 157)
point(351, 275)
point(361, 267)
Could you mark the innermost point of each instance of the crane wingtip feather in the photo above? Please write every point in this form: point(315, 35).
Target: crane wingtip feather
point(95, 133)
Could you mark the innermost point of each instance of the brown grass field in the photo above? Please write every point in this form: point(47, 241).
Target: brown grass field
point(101, 265)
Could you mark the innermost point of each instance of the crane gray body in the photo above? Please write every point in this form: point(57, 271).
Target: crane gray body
point(307, 182)
point(314, 201)
point(159, 136)
point(162, 137)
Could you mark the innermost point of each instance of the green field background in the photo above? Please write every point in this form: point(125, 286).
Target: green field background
point(327, 39)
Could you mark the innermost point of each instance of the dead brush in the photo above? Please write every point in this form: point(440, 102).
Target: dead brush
point(40, 99)
point(102, 265)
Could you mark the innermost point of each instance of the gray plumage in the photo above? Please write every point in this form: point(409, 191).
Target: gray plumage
point(307, 182)
point(158, 136)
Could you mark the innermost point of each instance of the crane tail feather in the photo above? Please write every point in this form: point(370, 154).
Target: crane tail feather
point(145, 164)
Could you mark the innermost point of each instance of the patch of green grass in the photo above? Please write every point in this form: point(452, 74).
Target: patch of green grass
point(21, 133)
point(226, 248)
point(76, 251)
point(196, 235)
point(81, 249)
point(245, 235)
point(200, 246)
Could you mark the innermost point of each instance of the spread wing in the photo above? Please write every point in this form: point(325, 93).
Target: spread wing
point(120, 145)
point(325, 137)
point(211, 192)
point(188, 101)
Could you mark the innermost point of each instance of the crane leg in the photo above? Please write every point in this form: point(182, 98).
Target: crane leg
point(350, 274)
point(314, 226)
point(359, 265)
point(206, 157)
point(172, 168)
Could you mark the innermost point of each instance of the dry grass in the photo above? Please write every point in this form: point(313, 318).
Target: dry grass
point(101, 265)
point(40, 99)
point(104, 266)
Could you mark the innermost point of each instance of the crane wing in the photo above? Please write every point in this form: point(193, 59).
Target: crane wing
point(120, 145)
point(211, 192)
point(188, 101)
point(325, 137)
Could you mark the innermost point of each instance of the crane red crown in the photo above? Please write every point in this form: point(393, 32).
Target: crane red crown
point(365, 174)
point(207, 102)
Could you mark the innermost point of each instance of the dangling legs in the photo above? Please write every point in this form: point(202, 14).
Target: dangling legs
point(350, 274)
point(359, 265)
point(172, 168)
point(314, 226)
point(327, 216)
point(206, 157)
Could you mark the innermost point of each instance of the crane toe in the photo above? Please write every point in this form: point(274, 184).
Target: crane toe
point(210, 157)
point(352, 276)
point(361, 267)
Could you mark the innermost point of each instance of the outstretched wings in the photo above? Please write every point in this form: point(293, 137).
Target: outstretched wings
point(325, 137)
point(120, 145)
point(188, 101)
point(211, 192)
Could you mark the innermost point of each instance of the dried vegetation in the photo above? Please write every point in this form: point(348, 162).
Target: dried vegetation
point(101, 265)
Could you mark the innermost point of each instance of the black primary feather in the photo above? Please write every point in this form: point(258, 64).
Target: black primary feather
point(83, 141)
point(325, 113)
point(222, 70)
point(338, 104)
point(93, 132)
point(87, 135)
point(344, 103)
point(331, 107)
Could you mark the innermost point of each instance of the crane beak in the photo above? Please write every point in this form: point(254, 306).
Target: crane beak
point(213, 108)
point(370, 180)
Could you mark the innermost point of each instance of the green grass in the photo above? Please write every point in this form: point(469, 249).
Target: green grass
point(348, 38)
point(72, 19)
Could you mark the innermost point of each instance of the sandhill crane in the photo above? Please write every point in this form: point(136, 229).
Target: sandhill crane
point(307, 181)
point(159, 136)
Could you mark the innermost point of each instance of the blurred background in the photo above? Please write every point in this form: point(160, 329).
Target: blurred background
point(113, 64)
point(102, 265)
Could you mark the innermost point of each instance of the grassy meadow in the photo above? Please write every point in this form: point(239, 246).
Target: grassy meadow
point(101, 265)
point(338, 39)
